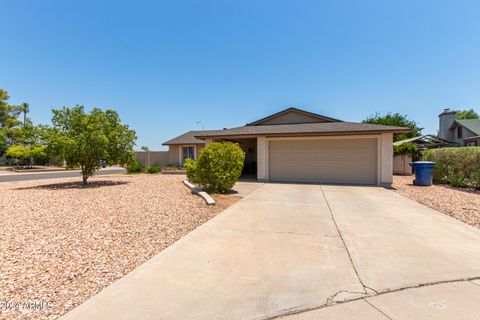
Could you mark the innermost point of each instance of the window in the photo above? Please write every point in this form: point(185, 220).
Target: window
point(459, 132)
point(188, 152)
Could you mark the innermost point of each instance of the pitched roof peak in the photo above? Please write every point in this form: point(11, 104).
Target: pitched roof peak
point(292, 115)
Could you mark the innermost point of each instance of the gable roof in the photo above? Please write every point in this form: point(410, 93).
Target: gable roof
point(187, 138)
point(319, 117)
point(471, 124)
point(324, 128)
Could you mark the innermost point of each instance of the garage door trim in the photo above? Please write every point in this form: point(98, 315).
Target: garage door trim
point(343, 137)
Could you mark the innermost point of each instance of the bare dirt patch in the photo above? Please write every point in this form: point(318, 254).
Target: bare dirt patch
point(224, 201)
point(462, 204)
point(61, 243)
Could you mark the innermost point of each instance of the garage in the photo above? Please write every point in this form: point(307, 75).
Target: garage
point(349, 161)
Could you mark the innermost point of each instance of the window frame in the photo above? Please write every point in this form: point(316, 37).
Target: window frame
point(182, 158)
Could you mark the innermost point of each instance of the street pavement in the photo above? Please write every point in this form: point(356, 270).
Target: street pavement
point(15, 176)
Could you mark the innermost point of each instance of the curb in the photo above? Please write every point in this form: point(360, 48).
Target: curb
point(208, 199)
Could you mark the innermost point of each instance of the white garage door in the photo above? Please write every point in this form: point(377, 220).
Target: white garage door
point(351, 161)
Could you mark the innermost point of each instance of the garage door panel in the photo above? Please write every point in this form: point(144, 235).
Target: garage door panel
point(332, 160)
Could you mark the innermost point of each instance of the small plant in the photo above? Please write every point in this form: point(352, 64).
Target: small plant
point(191, 167)
point(153, 169)
point(134, 167)
point(219, 166)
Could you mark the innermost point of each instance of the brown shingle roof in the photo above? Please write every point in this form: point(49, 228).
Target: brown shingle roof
point(188, 138)
point(326, 128)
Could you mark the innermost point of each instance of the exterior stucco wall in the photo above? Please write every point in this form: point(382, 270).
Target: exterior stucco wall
point(386, 159)
point(199, 148)
point(174, 155)
point(262, 158)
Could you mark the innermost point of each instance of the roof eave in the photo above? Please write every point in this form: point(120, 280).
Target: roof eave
point(303, 134)
point(180, 143)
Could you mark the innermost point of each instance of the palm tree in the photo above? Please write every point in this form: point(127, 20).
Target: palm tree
point(25, 110)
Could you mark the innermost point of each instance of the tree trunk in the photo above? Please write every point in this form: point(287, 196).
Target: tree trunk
point(84, 175)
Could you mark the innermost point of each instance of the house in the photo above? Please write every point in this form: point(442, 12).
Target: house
point(459, 132)
point(294, 145)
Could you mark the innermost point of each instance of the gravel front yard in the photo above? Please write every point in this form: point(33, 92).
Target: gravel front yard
point(61, 243)
point(462, 204)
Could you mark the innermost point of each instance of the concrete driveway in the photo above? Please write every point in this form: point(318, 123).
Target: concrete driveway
point(307, 252)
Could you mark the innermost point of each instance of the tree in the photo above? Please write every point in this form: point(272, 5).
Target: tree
point(466, 114)
point(25, 109)
point(9, 122)
point(398, 120)
point(145, 148)
point(26, 154)
point(84, 138)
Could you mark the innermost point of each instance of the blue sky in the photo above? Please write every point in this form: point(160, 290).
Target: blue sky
point(164, 65)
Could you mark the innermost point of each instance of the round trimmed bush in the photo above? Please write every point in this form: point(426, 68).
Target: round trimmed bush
point(219, 166)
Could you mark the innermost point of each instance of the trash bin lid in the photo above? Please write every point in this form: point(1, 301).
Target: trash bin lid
point(425, 164)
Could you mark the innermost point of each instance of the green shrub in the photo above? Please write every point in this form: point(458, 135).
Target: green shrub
point(191, 167)
point(459, 167)
point(219, 166)
point(153, 169)
point(134, 167)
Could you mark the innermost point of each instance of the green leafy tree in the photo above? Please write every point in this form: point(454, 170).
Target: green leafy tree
point(26, 154)
point(9, 123)
point(218, 167)
point(466, 114)
point(84, 138)
point(398, 120)
point(145, 148)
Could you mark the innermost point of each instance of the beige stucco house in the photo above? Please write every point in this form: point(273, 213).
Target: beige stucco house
point(294, 145)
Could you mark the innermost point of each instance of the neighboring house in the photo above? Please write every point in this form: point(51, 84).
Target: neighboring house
point(299, 146)
point(459, 132)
